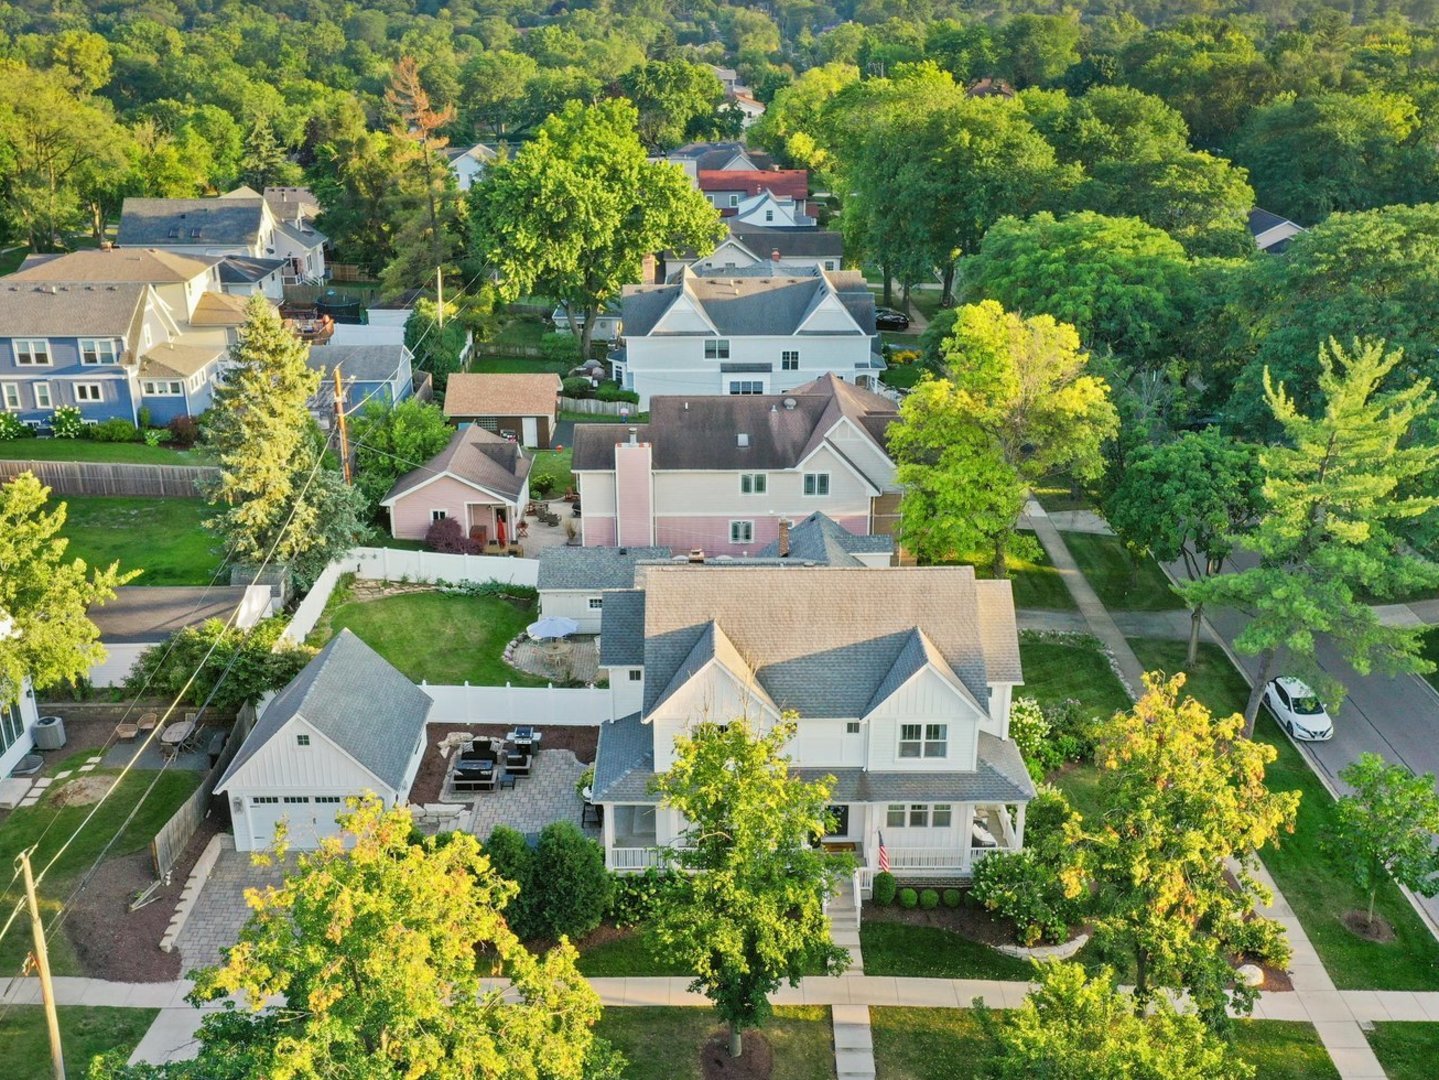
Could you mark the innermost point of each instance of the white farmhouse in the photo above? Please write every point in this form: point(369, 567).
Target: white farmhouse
point(747, 331)
point(348, 724)
point(901, 680)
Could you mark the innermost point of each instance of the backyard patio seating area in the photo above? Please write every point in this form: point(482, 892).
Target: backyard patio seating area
point(487, 764)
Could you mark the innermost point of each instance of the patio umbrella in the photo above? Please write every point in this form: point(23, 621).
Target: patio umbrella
point(552, 626)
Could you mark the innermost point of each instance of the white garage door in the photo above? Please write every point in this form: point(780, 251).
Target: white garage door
point(310, 818)
point(530, 426)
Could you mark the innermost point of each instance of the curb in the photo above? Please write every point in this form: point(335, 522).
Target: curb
point(191, 893)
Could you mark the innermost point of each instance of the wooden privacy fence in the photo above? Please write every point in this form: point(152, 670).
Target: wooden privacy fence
point(596, 407)
point(170, 841)
point(500, 348)
point(104, 478)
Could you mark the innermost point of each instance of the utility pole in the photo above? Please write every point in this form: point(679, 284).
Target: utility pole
point(42, 965)
point(340, 422)
point(440, 295)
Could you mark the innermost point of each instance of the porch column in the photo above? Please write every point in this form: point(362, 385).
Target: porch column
point(966, 838)
point(1019, 824)
point(872, 812)
point(608, 831)
point(1006, 825)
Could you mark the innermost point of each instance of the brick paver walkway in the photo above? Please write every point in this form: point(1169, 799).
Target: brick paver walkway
point(574, 658)
point(220, 910)
point(546, 795)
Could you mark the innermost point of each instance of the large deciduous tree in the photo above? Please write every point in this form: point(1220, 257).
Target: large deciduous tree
point(1077, 1025)
point(390, 440)
point(749, 914)
point(575, 212)
point(675, 100)
point(1386, 826)
point(1188, 501)
point(1016, 404)
point(45, 633)
point(1185, 804)
point(378, 943)
point(1339, 489)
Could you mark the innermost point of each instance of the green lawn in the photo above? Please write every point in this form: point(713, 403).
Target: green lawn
point(522, 330)
point(1072, 666)
point(523, 365)
point(1408, 1051)
point(1056, 494)
point(932, 952)
point(902, 376)
point(85, 1032)
point(554, 464)
point(442, 638)
point(136, 453)
point(1121, 585)
point(604, 418)
point(1315, 884)
point(947, 1044)
point(1080, 783)
point(624, 956)
point(25, 827)
point(10, 260)
point(664, 1043)
point(164, 537)
point(1037, 584)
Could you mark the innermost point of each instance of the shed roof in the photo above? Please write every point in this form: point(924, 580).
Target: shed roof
point(357, 700)
point(519, 394)
point(146, 613)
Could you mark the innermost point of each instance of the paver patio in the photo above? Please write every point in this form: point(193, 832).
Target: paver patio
point(546, 795)
point(220, 909)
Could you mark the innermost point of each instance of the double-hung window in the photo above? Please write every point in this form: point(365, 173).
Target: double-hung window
point(734, 200)
point(438, 515)
point(741, 532)
point(753, 483)
point(816, 483)
point(919, 815)
point(10, 395)
point(789, 360)
point(746, 387)
point(717, 349)
point(32, 352)
point(42, 396)
point(89, 391)
point(99, 351)
point(923, 740)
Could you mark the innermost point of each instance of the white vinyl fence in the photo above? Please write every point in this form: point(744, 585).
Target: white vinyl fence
point(538, 706)
point(391, 564)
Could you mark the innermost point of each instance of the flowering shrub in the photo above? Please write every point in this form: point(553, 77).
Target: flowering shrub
point(1019, 886)
point(1030, 732)
point(12, 428)
point(634, 896)
point(66, 422)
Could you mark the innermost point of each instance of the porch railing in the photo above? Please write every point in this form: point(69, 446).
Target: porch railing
point(635, 858)
point(922, 858)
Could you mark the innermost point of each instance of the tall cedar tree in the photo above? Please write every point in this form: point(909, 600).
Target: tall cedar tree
point(1338, 489)
point(574, 213)
point(1186, 805)
point(1016, 404)
point(749, 914)
point(379, 943)
point(45, 633)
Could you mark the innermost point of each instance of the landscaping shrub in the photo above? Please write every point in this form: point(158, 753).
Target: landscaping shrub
point(633, 897)
point(1260, 938)
point(1072, 729)
point(12, 428)
point(1030, 731)
point(573, 886)
point(448, 537)
point(66, 422)
point(951, 898)
point(542, 485)
point(908, 899)
point(1045, 817)
point(143, 417)
point(114, 430)
point(184, 431)
point(578, 386)
point(611, 391)
point(512, 859)
point(505, 590)
point(929, 899)
point(1018, 885)
point(885, 888)
point(155, 436)
point(560, 345)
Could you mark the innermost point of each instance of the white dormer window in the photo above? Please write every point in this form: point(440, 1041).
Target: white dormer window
point(769, 215)
point(99, 351)
point(816, 483)
point(302, 740)
point(923, 740)
point(717, 349)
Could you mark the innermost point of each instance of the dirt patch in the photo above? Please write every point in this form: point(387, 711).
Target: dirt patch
point(113, 942)
point(81, 791)
point(1275, 979)
point(1358, 924)
point(756, 1063)
point(430, 779)
point(968, 920)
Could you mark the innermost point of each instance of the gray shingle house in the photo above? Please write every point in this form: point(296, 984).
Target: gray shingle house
point(901, 681)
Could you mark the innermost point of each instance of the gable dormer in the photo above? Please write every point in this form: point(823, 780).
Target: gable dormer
point(828, 316)
point(685, 315)
point(922, 717)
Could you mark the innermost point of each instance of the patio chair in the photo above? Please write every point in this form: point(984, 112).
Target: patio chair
point(517, 763)
point(148, 721)
point(508, 781)
point(126, 732)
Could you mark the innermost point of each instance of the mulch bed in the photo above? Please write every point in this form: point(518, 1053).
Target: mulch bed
point(1358, 924)
point(430, 780)
point(756, 1063)
point(115, 943)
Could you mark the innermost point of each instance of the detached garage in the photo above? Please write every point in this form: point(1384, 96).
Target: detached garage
point(347, 725)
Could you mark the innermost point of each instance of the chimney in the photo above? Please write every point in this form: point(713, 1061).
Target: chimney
point(634, 436)
point(697, 555)
point(784, 538)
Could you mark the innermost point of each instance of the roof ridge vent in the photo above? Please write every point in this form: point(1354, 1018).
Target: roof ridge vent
point(789, 404)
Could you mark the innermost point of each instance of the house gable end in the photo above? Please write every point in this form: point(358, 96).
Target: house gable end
point(282, 763)
point(828, 316)
point(685, 315)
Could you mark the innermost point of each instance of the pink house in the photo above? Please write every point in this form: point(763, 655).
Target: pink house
point(721, 472)
point(480, 479)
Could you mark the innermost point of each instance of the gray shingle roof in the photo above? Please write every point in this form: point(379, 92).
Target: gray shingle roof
point(60, 310)
point(791, 243)
point(622, 628)
point(364, 363)
point(201, 222)
point(304, 235)
point(594, 568)
point(246, 270)
point(798, 629)
point(355, 698)
point(476, 456)
point(821, 540)
point(740, 306)
point(700, 432)
point(139, 265)
point(141, 613)
point(625, 761)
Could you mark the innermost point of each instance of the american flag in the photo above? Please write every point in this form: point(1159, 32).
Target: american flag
point(883, 855)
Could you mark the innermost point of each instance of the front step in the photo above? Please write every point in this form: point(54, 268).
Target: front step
point(853, 1042)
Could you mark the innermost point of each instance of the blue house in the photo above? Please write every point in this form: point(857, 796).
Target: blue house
point(367, 373)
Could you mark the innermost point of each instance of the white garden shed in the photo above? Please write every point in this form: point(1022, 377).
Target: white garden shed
point(348, 724)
